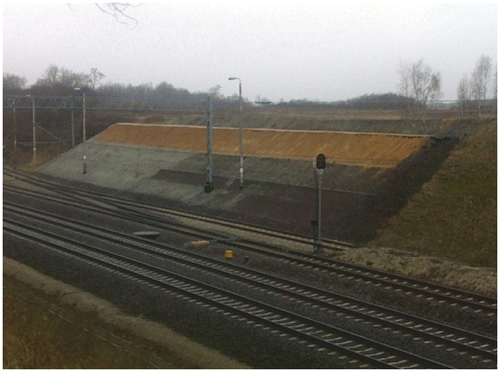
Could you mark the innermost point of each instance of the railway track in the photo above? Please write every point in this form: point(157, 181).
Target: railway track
point(440, 335)
point(362, 351)
point(377, 278)
point(133, 206)
point(319, 319)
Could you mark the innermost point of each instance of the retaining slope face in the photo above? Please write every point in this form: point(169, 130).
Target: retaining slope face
point(368, 176)
point(367, 149)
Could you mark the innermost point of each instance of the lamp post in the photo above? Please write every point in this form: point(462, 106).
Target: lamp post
point(83, 118)
point(241, 136)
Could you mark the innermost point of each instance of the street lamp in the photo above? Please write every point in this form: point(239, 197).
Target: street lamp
point(241, 136)
point(83, 119)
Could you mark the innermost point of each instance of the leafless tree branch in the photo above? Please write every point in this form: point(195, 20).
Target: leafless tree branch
point(118, 11)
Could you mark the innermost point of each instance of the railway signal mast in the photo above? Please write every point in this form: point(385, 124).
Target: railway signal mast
point(320, 169)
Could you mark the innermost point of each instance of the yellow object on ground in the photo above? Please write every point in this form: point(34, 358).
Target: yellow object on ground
point(198, 243)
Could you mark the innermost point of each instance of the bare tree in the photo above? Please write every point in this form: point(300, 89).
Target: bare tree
point(13, 83)
point(420, 84)
point(69, 79)
point(60, 80)
point(118, 11)
point(495, 84)
point(463, 93)
point(215, 91)
point(480, 80)
point(51, 74)
point(95, 76)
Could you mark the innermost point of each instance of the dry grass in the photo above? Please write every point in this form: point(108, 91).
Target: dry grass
point(22, 158)
point(37, 334)
point(455, 214)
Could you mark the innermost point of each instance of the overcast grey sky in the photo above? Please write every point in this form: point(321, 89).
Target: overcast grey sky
point(294, 51)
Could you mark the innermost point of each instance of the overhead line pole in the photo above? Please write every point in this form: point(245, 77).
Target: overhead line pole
point(84, 134)
point(209, 183)
point(15, 129)
point(241, 134)
point(34, 132)
point(84, 124)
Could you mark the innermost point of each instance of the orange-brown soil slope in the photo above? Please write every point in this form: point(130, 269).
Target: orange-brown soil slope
point(367, 149)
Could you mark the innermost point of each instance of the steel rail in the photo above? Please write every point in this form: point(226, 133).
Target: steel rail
point(120, 203)
point(98, 196)
point(115, 209)
point(332, 244)
point(436, 332)
point(379, 278)
point(285, 321)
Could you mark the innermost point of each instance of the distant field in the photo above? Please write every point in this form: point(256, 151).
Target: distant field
point(378, 121)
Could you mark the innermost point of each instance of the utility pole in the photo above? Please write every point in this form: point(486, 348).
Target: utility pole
point(241, 134)
point(209, 183)
point(15, 128)
point(72, 123)
point(84, 134)
point(241, 143)
point(84, 124)
point(34, 132)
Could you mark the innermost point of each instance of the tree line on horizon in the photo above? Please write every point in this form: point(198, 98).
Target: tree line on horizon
point(419, 87)
point(62, 82)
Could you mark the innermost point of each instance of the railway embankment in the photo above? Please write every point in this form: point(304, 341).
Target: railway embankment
point(369, 176)
point(458, 163)
point(454, 214)
point(368, 181)
point(168, 162)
